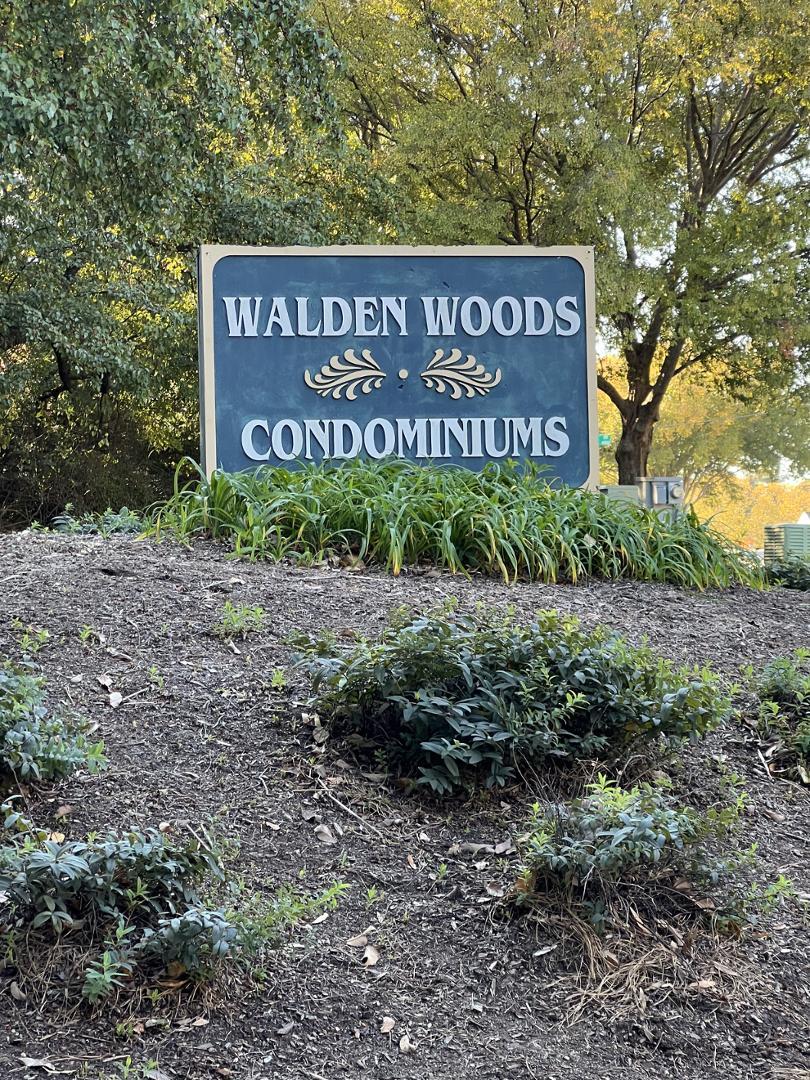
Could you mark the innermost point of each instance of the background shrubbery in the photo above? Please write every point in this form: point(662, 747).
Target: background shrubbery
point(453, 698)
point(792, 573)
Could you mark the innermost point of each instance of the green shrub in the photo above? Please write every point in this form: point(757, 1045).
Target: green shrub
point(612, 835)
point(133, 903)
point(615, 837)
point(452, 697)
point(506, 521)
point(783, 719)
point(790, 573)
point(36, 744)
point(143, 876)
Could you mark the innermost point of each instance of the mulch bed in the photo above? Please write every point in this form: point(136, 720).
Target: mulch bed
point(204, 736)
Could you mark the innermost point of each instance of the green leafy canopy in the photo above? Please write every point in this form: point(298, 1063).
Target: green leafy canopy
point(671, 136)
point(131, 132)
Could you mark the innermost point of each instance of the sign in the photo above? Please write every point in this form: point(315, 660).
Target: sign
point(463, 354)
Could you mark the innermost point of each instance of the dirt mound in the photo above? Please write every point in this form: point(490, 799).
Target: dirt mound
point(201, 733)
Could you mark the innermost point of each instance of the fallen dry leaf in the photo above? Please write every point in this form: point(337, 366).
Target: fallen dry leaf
point(116, 654)
point(116, 699)
point(359, 941)
point(388, 1024)
point(466, 848)
point(405, 1044)
point(370, 956)
point(375, 777)
point(105, 681)
point(325, 834)
point(193, 1022)
point(43, 1063)
point(286, 1028)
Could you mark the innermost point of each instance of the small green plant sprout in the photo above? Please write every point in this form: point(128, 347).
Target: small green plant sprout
point(106, 975)
point(238, 620)
point(31, 639)
point(278, 680)
point(746, 907)
point(263, 920)
point(373, 896)
point(129, 1070)
point(782, 688)
point(88, 634)
point(456, 699)
point(155, 678)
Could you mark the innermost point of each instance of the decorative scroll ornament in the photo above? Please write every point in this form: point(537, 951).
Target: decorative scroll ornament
point(350, 374)
point(459, 376)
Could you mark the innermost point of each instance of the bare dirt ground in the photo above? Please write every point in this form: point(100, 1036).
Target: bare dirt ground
point(202, 735)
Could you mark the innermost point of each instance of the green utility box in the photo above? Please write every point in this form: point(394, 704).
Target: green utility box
point(625, 492)
point(787, 541)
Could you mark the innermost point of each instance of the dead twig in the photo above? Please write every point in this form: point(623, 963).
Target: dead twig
point(348, 810)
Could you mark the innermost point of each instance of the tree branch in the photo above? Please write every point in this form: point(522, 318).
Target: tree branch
point(610, 391)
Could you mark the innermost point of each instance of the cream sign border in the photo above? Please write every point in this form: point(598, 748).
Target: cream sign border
point(210, 254)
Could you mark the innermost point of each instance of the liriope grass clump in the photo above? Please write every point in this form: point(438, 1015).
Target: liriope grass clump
point(453, 700)
point(506, 521)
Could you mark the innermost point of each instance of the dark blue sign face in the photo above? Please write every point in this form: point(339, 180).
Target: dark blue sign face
point(458, 355)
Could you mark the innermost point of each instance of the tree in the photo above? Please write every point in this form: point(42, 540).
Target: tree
point(743, 511)
point(130, 132)
point(672, 135)
point(713, 440)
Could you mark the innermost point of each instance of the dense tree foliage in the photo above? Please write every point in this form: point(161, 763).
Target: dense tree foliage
point(130, 132)
point(670, 134)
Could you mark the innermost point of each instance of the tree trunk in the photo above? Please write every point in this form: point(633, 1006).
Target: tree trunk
point(634, 448)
